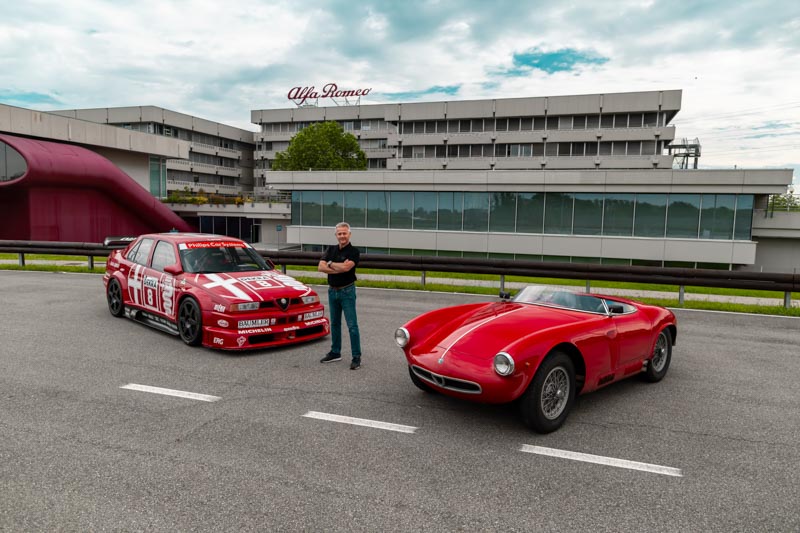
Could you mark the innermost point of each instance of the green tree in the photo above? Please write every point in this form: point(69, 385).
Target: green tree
point(321, 146)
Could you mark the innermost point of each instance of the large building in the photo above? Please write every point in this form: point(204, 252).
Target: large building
point(588, 178)
point(585, 178)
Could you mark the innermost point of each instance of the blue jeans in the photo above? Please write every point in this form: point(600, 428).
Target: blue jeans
point(344, 300)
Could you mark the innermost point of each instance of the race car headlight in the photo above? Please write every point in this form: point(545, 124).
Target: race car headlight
point(503, 364)
point(401, 337)
point(248, 306)
point(310, 299)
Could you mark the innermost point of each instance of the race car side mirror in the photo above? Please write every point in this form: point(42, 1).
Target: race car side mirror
point(173, 269)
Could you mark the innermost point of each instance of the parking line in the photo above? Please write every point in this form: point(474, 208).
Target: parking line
point(171, 392)
point(360, 422)
point(599, 459)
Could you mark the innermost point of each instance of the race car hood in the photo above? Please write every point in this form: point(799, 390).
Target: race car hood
point(253, 286)
point(490, 329)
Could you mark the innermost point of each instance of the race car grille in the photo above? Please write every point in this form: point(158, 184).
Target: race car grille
point(445, 382)
point(272, 304)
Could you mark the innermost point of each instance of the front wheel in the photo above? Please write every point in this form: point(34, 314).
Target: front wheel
point(547, 402)
point(659, 361)
point(116, 306)
point(190, 322)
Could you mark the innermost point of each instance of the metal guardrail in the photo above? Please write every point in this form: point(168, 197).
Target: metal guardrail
point(680, 277)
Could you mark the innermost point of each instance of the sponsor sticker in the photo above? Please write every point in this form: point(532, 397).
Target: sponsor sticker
point(214, 244)
point(219, 308)
point(218, 341)
point(254, 330)
point(315, 322)
point(240, 341)
point(254, 323)
point(222, 323)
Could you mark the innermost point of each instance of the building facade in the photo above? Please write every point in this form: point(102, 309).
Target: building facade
point(584, 178)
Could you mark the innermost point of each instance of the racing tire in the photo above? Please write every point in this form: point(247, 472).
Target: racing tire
point(421, 385)
point(190, 322)
point(116, 305)
point(547, 402)
point(658, 364)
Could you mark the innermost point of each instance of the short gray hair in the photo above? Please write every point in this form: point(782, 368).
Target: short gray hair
point(343, 225)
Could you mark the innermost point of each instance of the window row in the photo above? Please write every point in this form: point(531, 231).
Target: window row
point(157, 128)
point(562, 122)
point(553, 149)
point(209, 159)
point(693, 216)
point(347, 125)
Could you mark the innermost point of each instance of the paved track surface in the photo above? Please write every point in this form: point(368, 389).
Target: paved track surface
point(80, 453)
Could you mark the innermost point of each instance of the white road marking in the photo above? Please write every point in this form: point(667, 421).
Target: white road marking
point(360, 422)
point(171, 392)
point(599, 459)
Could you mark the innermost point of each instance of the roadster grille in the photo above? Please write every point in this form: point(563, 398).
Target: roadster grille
point(445, 382)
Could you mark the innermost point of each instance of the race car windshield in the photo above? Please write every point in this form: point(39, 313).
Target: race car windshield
point(209, 260)
point(560, 298)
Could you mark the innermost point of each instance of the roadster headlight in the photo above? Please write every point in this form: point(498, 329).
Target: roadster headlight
point(401, 337)
point(503, 364)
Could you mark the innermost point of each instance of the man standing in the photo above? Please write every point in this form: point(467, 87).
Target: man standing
point(339, 262)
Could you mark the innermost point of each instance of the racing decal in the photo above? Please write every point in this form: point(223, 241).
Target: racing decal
point(168, 295)
point(218, 341)
point(219, 308)
point(229, 284)
point(240, 341)
point(315, 322)
point(256, 323)
point(211, 244)
point(254, 330)
point(274, 281)
point(312, 315)
point(135, 284)
point(222, 323)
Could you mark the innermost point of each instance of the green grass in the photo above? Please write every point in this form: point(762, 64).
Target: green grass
point(45, 257)
point(431, 285)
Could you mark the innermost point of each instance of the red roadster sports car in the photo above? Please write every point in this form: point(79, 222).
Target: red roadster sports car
point(211, 290)
point(543, 347)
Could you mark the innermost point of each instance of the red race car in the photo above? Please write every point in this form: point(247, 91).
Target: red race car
point(211, 290)
point(542, 347)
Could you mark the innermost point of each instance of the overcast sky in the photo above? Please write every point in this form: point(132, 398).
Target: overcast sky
point(738, 63)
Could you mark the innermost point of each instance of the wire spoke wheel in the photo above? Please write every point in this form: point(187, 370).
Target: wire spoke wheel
point(555, 393)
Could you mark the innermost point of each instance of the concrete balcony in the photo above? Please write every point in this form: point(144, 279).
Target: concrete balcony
point(209, 188)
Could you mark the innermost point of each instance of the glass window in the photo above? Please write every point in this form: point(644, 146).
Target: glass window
point(332, 207)
point(551, 149)
point(579, 122)
point(538, 123)
point(312, 208)
point(502, 124)
point(476, 211)
point(683, 215)
point(142, 252)
point(606, 121)
point(164, 255)
point(513, 124)
point(12, 164)
point(377, 209)
point(634, 147)
point(618, 148)
point(297, 202)
point(477, 124)
point(355, 213)
point(552, 123)
point(651, 215)
point(635, 120)
point(648, 147)
point(452, 150)
point(650, 120)
point(424, 210)
point(621, 120)
point(591, 148)
point(530, 212)
point(400, 207)
point(527, 124)
point(618, 214)
point(538, 149)
point(716, 216)
point(430, 126)
point(605, 147)
point(588, 214)
point(451, 207)
point(744, 217)
point(592, 122)
point(464, 126)
point(565, 123)
point(502, 211)
point(558, 213)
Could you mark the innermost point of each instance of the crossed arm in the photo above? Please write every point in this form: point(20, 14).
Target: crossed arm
point(329, 267)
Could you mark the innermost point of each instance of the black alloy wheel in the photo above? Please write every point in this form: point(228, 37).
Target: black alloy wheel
point(190, 322)
point(114, 296)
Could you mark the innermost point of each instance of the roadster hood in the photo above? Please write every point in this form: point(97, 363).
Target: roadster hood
point(490, 329)
point(253, 286)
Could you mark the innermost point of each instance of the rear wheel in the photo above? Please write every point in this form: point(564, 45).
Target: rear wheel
point(114, 296)
point(418, 382)
point(190, 323)
point(547, 402)
point(659, 361)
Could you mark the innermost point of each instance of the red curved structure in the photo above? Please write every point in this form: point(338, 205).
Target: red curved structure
point(69, 193)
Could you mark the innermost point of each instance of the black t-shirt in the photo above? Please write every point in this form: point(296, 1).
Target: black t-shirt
point(339, 255)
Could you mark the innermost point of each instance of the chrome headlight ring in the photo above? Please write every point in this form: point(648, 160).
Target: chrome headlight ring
point(503, 364)
point(401, 337)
